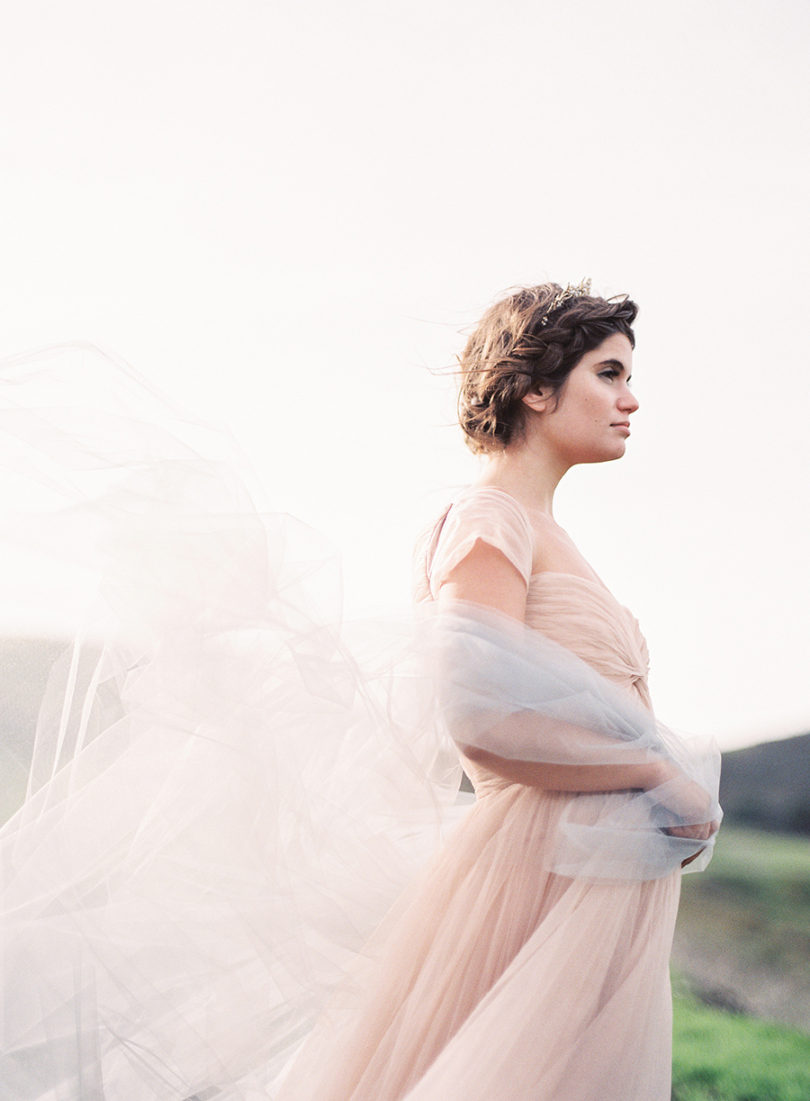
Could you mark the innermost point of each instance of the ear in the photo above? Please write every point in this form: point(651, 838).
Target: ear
point(537, 400)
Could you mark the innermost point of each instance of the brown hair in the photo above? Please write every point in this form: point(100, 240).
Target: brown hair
point(521, 345)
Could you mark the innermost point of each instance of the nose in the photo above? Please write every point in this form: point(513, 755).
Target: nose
point(628, 402)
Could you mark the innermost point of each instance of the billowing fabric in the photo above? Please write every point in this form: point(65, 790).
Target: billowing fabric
point(226, 878)
point(221, 804)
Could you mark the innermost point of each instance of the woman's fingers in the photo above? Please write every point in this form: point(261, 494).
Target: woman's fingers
point(700, 832)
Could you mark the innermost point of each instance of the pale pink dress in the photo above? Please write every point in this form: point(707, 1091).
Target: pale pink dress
point(497, 978)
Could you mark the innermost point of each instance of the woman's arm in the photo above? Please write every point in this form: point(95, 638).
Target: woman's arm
point(583, 778)
point(486, 577)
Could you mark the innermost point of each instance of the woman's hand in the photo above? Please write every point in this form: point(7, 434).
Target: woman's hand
point(700, 832)
point(685, 798)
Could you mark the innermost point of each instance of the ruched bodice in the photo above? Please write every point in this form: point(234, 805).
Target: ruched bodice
point(578, 612)
point(584, 616)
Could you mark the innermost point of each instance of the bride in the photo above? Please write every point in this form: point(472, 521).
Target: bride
point(236, 792)
point(504, 977)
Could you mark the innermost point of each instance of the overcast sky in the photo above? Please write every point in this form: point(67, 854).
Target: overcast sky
point(288, 213)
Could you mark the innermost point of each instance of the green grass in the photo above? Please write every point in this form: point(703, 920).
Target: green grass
point(744, 925)
point(765, 856)
point(720, 1056)
point(743, 938)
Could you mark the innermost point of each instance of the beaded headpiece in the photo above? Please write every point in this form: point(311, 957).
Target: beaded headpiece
point(573, 290)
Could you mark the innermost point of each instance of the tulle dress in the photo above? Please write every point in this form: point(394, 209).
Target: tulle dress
point(241, 871)
point(498, 977)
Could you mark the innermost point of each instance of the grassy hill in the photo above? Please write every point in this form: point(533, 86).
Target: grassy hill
point(24, 667)
point(721, 1056)
point(768, 785)
point(741, 953)
point(743, 933)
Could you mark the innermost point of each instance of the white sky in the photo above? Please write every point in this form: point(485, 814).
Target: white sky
point(286, 212)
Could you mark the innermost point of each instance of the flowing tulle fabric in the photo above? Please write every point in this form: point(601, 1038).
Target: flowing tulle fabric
point(220, 805)
point(235, 803)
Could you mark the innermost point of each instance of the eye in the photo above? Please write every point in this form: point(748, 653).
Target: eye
point(609, 373)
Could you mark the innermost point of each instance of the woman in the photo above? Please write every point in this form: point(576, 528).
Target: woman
point(226, 797)
point(504, 978)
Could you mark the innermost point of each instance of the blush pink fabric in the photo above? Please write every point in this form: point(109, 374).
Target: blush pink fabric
point(497, 978)
point(222, 880)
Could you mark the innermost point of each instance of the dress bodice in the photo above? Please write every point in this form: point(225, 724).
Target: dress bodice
point(583, 616)
point(577, 612)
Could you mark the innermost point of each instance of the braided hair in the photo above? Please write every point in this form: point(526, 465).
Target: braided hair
point(524, 343)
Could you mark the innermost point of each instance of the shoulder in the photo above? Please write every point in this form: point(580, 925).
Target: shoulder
point(492, 503)
point(481, 515)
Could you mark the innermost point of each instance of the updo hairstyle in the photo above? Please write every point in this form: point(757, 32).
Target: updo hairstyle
point(522, 345)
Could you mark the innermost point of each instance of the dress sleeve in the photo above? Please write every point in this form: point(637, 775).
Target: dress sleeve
point(483, 515)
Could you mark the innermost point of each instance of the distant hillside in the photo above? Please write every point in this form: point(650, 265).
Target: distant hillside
point(768, 786)
point(24, 667)
point(743, 934)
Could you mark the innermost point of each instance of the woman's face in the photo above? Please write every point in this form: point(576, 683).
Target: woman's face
point(588, 420)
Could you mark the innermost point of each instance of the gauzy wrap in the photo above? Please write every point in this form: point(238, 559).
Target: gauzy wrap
point(227, 788)
point(507, 690)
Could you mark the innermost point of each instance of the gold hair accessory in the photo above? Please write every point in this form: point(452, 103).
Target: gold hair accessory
point(573, 290)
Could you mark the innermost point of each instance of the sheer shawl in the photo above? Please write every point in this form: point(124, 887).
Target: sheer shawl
point(228, 787)
point(507, 690)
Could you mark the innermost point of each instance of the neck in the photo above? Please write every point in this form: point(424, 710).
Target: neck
point(526, 470)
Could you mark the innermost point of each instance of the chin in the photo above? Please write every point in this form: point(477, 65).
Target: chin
point(603, 451)
point(605, 455)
